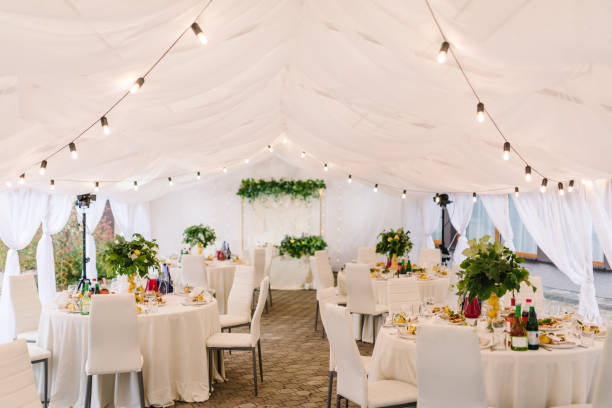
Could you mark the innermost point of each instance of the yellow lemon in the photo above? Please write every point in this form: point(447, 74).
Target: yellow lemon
point(136, 252)
point(492, 313)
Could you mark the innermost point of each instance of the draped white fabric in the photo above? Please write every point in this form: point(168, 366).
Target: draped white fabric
point(599, 198)
point(562, 228)
point(20, 213)
point(132, 218)
point(53, 220)
point(431, 213)
point(94, 214)
point(497, 208)
point(460, 212)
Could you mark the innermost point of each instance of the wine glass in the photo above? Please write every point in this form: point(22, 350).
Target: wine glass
point(498, 325)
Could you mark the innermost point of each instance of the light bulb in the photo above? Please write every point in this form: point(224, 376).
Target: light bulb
point(170, 182)
point(443, 52)
point(516, 192)
point(325, 167)
point(104, 123)
point(480, 112)
point(96, 186)
point(199, 33)
point(73, 151)
point(137, 85)
point(285, 140)
point(376, 188)
point(474, 197)
point(246, 161)
point(404, 195)
point(135, 185)
point(43, 167)
point(303, 154)
point(570, 186)
point(544, 184)
point(22, 179)
point(349, 179)
point(270, 148)
point(52, 185)
point(437, 198)
point(527, 173)
point(8, 184)
point(506, 151)
point(561, 191)
point(225, 169)
point(198, 176)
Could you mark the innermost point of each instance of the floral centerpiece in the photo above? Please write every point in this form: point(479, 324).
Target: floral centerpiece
point(297, 247)
point(131, 258)
point(394, 243)
point(489, 272)
point(200, 236)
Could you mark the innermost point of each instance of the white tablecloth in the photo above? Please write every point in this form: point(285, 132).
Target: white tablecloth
point(172, 342)
point(290, 273)
point(530, 379)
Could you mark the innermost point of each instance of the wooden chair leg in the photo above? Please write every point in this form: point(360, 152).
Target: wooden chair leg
point(46, 386)
point(260, 363)
point(330, 385)
point(88, 392)
point(141, 389)
point(316, 315)
point(254, 370)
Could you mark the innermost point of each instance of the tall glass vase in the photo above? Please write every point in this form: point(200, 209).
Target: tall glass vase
point(471, 309)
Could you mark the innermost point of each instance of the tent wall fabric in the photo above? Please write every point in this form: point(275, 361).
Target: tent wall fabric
point(599, 198)
point(460, 213)
point(132, 218)
point(497, 208)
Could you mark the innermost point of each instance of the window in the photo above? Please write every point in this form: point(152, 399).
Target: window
point(480, 223)
point(523, 242)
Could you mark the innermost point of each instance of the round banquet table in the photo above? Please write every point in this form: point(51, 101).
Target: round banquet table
point(530, 379)
point(172, 342)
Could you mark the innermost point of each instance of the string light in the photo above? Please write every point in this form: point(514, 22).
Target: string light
point(560, 185)
point(170, 182)
point(544, 184)
point(199, 33)
point(52, 184)
point(303, 154)
point(570, 186)
point(474, 197)
point(43, 167)
point(376, 188)
point(528, 173)
point(325, 167)
point(73, 151)
point(506, 151)
point(246, 161)
point(8, 184)
point(104, 124)
point(349, 179)
point(198, 176)
point(480, 115)
point(404, 195)
point(225, 170)
point(270, 148)
point(516, 192)
point(137, 85)
point(96, 186)
point(135, 185)
point(22, 179)
point(443, 52)
point(285, 140)
point(437, 198)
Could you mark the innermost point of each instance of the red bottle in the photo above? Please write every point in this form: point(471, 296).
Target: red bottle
point(471, 309)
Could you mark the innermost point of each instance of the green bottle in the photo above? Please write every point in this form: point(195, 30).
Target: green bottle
point(85, 301)
point(533, 328)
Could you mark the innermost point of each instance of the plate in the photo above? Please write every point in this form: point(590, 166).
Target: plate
point(195, 303)
point(488, 342)
point(564, 345)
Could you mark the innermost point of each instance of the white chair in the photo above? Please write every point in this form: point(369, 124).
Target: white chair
point(324, 278)
point(26, 306)
point(448, 358)
point(602, 395)
point(352, 382)
point(261, 263)
point(239, 300)
point(194, 270)
point(113, 340)
point(270, 251)
point(360, 294)
point(526, 292)
point(242, 341)
point(367, 255)
point(429, 257)
point(39, 355)
point(17, 387)
point(402, 292)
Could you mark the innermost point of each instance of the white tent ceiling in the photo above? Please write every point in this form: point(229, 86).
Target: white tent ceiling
point(354, 83)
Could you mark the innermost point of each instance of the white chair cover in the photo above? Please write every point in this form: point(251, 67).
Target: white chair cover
point(449, 370)
point(113, 337)
point(359, 290)
point(239, 300)
point(402, 292)
point(602, 397)
point(261, 302)
point(259, 263)
point(324, 269)
point(17, 387)
point(429, 257)
point(366, 255)
point(194, 270)
point(25, 302)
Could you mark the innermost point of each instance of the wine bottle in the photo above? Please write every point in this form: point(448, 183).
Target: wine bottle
point(525, 314)
point(518, 334)
point(85, 301)
point(533, 340)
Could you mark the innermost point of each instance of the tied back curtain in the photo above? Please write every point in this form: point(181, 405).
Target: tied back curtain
point(94, 214)
point(53, 220)
point(431, 213)
point(562, 228)
point(499, 212)
point(460, 212)
point(132, 218)
point(599, 198)
point(20, 214)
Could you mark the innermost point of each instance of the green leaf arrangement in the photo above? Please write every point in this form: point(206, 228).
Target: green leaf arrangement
point(199, 234)
point(252, 189)
point(490, 268)
point(394, 242)
point(131, 257)
point(297, 247)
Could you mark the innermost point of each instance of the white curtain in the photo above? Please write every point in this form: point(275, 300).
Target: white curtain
point(132, 218)
point(497, 208)
point(599, 198)
point(20, 214)
point(431, 213)
point(94, 214)
point(53, 220)
point(460, 212)
point(562, 228)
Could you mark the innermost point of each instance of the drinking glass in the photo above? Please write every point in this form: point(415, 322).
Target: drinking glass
point(499, 324)
point(588, 337)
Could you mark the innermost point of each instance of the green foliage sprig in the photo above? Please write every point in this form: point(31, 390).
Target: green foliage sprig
point(199, 234)
point(394, 242)
point(297, 247)
point(131, 257)
point(490, 268)
point(252, 189)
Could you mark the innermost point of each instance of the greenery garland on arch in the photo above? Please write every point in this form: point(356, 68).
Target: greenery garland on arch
point(252, 189)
